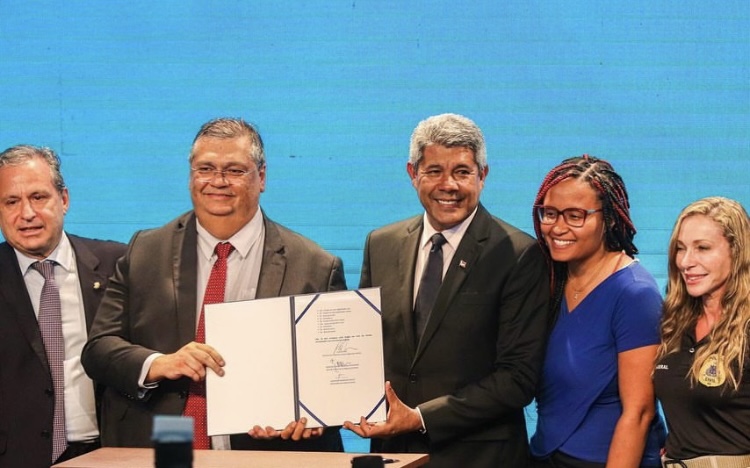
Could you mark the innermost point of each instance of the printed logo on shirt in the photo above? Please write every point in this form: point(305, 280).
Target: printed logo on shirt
point(662, 367)
point(712, 372)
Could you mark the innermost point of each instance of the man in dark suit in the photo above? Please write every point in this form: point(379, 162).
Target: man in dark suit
point(33, 203)
point(143, 343)
point(461, 371)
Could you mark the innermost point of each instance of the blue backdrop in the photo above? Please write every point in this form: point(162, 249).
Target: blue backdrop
point(661, 89)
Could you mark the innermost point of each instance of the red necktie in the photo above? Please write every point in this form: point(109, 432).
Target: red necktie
point(50, 324)
point(196, 401)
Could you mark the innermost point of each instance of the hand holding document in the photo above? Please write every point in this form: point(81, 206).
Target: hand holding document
point(318, 356)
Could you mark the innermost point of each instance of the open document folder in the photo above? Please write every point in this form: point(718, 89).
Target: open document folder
point(318, 356)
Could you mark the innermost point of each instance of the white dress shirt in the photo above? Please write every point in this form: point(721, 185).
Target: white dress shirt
point(453, 237)
point(243, 272)
point(80, 406)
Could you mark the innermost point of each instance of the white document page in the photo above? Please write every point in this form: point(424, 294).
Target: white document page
point(255, 340)
point(340, 357)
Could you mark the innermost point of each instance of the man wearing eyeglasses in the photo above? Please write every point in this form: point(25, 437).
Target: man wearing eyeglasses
point(463, 361)
point(145, 343)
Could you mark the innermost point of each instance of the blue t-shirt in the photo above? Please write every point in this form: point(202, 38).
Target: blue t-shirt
point(578, 403)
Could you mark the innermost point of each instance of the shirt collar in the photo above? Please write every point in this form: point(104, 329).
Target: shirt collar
point(62, 255)
point(243, 240)
point(452, 235)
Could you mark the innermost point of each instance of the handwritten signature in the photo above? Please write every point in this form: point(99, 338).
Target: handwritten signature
point(341, 365)
point(343, 347)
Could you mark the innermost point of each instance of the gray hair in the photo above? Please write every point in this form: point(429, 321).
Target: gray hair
point(19, 154)
point(233, 128)
point(449, 130)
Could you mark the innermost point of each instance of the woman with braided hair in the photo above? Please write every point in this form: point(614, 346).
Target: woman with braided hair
point(595, 404)
point(702, 376)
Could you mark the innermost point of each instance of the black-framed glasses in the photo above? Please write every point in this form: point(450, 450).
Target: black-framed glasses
point(574, 217)
point(231, 175)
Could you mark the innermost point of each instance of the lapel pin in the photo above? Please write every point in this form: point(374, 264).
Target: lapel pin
point(462, 263)
point(97, 285)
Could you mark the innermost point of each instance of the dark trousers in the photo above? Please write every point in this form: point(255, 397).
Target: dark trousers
point(76, 449)
point(505, 453)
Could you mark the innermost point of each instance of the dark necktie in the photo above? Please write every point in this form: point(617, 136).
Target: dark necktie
point(430, 284)
point(50, 324)
point(196, 401)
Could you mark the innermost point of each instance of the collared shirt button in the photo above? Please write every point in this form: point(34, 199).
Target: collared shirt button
point(46, 434)
point(49, 392)
point(412, 377)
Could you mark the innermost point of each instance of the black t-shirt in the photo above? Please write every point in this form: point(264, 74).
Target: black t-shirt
point(702, 420)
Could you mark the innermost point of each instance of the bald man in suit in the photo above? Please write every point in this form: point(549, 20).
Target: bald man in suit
point(142, 344)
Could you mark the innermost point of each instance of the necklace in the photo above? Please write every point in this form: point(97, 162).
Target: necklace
point(578, 291)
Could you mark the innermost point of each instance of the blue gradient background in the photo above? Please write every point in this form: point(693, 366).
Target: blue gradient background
point(661, 89)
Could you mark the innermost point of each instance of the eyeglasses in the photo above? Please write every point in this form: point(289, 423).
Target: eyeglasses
point(574, 217)
point(231, 175)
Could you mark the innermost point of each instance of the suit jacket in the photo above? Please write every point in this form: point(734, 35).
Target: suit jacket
point(150, 306)
point(478, 361)
point(26, 393)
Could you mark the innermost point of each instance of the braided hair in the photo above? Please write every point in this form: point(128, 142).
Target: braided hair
point(610, 189)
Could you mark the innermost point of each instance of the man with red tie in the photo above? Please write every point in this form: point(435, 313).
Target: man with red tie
point(146, 344)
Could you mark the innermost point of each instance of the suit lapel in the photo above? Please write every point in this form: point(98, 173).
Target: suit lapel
point(463, 261)
point(13, 289)
point(407, 260)
point(273, 265)
point(91, 280)
point(184, 274)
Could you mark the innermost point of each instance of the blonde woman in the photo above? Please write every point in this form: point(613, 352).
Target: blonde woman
point(702, 376)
